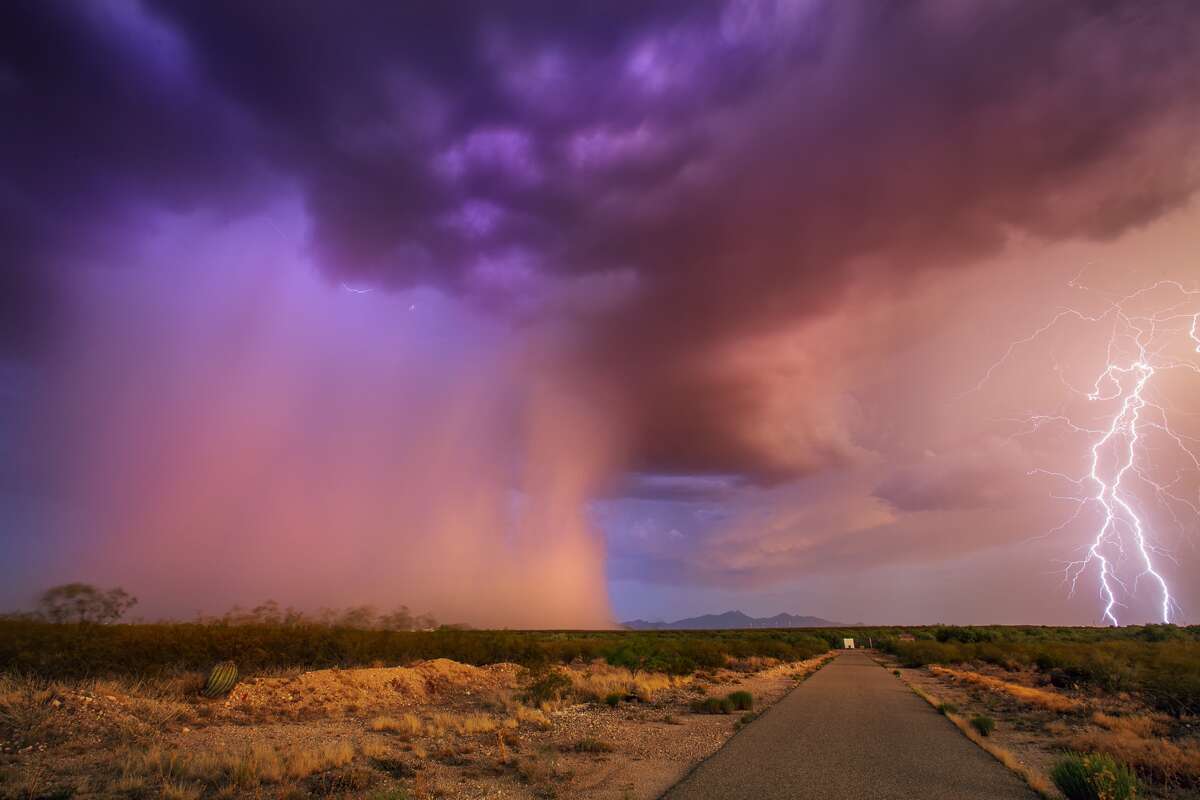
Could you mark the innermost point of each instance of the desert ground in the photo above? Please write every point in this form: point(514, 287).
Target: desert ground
point(118, 711)
point(437, 728)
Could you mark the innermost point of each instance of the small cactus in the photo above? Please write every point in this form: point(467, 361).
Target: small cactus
point(221, 680)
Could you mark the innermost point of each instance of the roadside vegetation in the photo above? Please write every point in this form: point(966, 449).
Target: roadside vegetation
point(1101, 708)
point(1161, 663)
point(1094, 777)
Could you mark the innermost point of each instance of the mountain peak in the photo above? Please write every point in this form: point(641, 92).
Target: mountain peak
point(731, 620)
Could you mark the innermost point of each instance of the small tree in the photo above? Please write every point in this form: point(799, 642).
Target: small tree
point(82, 602)
point(399, 620)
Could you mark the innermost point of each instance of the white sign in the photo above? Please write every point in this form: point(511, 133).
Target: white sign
point(848, 644)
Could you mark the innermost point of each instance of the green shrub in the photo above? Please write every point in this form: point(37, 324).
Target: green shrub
point(947, 708)
point(747, 718)
point(545, 686)
point(741, 701)
point(984, 724)
point(712, 705)
point(1094, 776)
point(613, 699)
point(896, 672)
point(590, 745)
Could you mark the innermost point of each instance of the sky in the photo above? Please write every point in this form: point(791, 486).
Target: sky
point(558, 314)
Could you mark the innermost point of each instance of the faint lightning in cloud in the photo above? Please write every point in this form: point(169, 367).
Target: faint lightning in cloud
point(354, 290)
point(1123, 482)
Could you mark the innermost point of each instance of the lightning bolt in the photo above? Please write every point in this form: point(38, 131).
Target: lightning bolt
point(1121, 472)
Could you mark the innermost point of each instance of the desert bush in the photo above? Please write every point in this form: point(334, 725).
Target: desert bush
point(712, 705)
point(544, 686)
point(984, 724)
point(947, 708)
point(741, 701)
point(1094, 777)
point(613, 699)
point(40, 648)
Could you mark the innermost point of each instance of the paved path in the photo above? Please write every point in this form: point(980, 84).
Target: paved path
point(852, 730)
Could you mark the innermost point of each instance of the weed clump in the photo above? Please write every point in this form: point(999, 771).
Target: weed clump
point(947, 708)
point(1094, 776)
point(712, 705)
point(984, 724)
point(741, 701)
point(612, 699)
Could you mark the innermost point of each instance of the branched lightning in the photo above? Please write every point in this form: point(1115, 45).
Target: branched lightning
point(1122, 478)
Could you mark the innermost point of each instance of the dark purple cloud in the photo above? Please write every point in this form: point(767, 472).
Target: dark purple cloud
point(669, 178)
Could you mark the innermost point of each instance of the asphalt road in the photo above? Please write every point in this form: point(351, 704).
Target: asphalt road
point(852, 730)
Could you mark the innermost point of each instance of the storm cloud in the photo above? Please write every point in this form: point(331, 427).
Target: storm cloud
point(730, 226)
point(667, 179)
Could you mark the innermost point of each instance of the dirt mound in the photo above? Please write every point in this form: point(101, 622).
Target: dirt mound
point(439, 679)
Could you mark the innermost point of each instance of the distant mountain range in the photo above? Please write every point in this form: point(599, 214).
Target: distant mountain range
point(731, 620)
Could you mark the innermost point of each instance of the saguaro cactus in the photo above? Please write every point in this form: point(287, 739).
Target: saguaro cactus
point(221, 680)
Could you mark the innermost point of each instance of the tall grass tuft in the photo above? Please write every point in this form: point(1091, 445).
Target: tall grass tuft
point(1094, 776)
point(984, 724)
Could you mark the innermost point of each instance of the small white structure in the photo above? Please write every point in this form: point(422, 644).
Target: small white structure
point(847, 644)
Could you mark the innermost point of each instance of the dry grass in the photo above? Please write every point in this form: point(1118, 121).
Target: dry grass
point(1040, 698)
point(751, 663)
point(341, 692)
point(515, 714)
point(178, 791)
point(464, 724)
point(1131, 740)
point(173, 770)
point(1135, 724)
point(27, 707)
point(406, 726)
point(601, 680)
point(371, 748)
point(118, 712)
